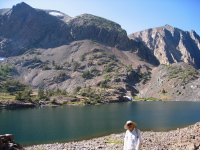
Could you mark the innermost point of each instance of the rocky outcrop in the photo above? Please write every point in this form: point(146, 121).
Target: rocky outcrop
point(170, 45)
point(88, 26)
point(7, 143)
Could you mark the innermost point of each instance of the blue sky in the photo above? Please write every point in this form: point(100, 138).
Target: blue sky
point(132, 15)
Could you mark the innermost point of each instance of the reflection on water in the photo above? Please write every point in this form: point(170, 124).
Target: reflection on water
point(56, 124)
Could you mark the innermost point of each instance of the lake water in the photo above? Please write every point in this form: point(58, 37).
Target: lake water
point(61, 124)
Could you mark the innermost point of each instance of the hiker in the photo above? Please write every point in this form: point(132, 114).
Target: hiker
point(132, 139)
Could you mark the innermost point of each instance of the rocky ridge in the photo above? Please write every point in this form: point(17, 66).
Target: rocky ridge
point(24, 27)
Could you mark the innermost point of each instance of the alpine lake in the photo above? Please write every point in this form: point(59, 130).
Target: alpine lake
point(41, 125)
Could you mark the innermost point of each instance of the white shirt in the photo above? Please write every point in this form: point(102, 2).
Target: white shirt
point(132, 140)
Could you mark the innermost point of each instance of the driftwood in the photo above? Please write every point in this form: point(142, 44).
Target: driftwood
point(7, 143)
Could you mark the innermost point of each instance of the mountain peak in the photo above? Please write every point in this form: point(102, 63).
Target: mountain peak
point(88, 19)
point(171, 45)
point(168, 27)
point(22, 4)
point(21, 7)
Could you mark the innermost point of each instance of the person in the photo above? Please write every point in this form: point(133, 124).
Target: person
point(132, 139)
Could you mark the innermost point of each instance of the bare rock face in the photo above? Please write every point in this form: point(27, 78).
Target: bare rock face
point(171, 45)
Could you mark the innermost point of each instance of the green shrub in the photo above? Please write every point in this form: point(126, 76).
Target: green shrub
point(107, 77)
point(94, 71)
point(107, 68)
point(45, 67)
point(90, 63)
point(24, 95)
point(82, 57)
point(129, 68)
point(75, 65)
point(86, 74)
point(53, 63)
point(5, 71)
point(102, 61)
point(183, 74)
point(53, 101)
point(41, 94)
point(82, 93)
point(61, 74)
point(163, 91)
point(104, 84)
point(57, 67)
point(76, 90)
point(11, 86)
point(18, 96)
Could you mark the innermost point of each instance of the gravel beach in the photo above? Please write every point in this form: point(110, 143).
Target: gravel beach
point(187, 138)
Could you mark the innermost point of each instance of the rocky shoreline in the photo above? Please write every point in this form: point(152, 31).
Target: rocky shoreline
point(63, 101)
point(9, 104)
point(187, 138)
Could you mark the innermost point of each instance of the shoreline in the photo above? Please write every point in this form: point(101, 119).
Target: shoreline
point(21, 104)
point(179, 139)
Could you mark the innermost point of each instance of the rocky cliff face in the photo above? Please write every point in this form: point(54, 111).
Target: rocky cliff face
point(171, 45)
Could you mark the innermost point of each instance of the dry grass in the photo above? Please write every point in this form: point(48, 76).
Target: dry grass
point(6, 97)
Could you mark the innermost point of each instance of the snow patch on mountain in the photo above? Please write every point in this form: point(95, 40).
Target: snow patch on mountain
point(56, 14)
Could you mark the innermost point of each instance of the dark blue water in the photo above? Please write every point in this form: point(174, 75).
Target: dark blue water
point(62, 124)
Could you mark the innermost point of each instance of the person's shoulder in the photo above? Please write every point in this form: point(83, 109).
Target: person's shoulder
point(127, 131)
point(137, 130)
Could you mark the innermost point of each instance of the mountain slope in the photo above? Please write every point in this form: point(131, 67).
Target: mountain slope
point(79, 64)
point(171, 45)
point(179, 81)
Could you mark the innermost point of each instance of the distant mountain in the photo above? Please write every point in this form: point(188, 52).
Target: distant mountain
point(24, 27)
point(51, 50)
point(171, 45)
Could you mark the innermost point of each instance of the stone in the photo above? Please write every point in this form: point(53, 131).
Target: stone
point(191, 147)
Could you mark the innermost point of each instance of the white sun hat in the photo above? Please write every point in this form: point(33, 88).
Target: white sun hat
point(128, 122)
